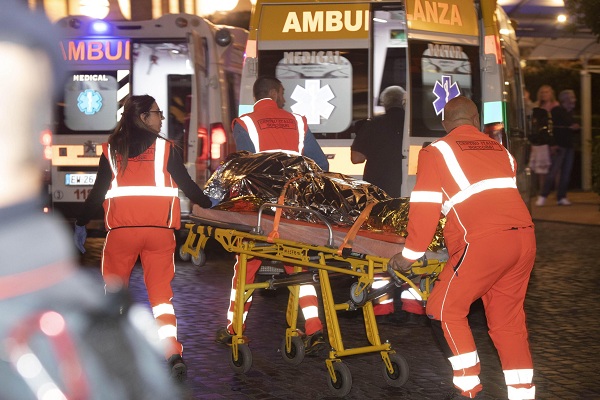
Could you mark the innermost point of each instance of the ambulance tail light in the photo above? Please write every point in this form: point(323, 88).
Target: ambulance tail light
point(218, 138)
point(492, 46)
point(202, 144)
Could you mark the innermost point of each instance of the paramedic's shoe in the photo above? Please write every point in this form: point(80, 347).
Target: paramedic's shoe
point(178, 368)
point(564, 202)
point(540, 201)
point(223, 336)
point(314, 344)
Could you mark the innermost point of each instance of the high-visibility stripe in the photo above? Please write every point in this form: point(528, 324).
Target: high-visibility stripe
point(301, 130)
point(252, 132)
point(159, 163)
point(142, 191)
point(466, 382)
point(379, 283)
point(518, 376)
point(307, 290)
point(463, 361)
point(410, 294)
point(167, 331)
point(163, 309)
point(123, 79)
point(310, 312)
point(521, 393)
point(426, 197)
point(452, 164)
point(411, 254)
point(481, 186)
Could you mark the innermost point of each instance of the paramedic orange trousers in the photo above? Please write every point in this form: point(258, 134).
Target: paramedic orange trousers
point(156, 249)
point(495, 268)
point(308, 301)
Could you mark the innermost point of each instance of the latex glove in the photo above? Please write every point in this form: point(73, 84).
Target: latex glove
point(400, 264)
point(79, 236)
point(213, 202)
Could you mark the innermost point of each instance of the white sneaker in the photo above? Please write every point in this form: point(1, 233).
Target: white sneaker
point(540, 201)
point(564, 202)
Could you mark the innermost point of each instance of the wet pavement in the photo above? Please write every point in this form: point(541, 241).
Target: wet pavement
point(561, 314)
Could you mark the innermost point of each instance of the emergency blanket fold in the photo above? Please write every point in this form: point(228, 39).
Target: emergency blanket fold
point(245, 181)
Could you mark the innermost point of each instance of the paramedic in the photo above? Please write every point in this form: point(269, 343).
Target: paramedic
point(269, 127)
point(137, 182)
point(60, 337)
point(471, 179)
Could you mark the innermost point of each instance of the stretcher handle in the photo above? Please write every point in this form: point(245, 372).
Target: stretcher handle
point(299, 209)
point(421, 262)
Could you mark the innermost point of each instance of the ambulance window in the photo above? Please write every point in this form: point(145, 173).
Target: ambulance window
point(90, 101)
point(440, 71)
point(328, 86)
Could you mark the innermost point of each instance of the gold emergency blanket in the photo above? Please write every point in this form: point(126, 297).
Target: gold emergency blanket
point(245, 181)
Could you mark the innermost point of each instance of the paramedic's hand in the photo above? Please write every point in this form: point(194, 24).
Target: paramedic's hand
point(400, 264)
point(79, 236)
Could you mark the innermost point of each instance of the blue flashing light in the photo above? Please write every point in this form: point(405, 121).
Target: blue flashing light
point(100, 27)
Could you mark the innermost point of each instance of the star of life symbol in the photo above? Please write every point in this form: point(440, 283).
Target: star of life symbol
point(312, 101)
point(89, 102)
point(444, 92)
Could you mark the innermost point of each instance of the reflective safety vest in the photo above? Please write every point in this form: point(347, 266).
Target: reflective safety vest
point(146, 194)
point(471, 179)
point(273, 129)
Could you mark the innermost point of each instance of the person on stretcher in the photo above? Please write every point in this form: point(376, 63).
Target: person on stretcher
point(270, 128)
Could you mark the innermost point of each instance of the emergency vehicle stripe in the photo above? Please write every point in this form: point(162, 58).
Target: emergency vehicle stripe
point(159, 163)
point(486, 184)
point(452, 164)
point(301, 132)
point(123, 90)
point(517, 376)
point(426, 197)
point(142, 191)
point(463, 361)
point(521, 393)
point(252, 132)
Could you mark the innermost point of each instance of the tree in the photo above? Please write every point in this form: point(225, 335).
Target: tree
point(586, 12)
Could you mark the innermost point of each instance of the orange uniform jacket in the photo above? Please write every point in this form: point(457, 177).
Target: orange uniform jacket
point(471, 179)
point(146, 178)
point(279, 129)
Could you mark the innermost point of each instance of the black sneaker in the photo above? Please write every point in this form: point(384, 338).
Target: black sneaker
point(178, 368)
point(223, 336)
point(314, 344)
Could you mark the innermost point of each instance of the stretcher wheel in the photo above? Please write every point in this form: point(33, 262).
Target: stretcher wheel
point(343, 383)
point(296, 354)
point(244, 361)
point(400, 375)
point(200, 260)
point(358, 299)
point(184, 256)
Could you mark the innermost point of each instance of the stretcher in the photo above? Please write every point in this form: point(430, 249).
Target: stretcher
point(323, 253)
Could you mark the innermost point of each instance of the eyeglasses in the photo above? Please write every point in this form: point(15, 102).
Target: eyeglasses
point(157, 111)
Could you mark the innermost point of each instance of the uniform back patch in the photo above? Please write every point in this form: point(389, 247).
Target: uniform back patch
point(479, 145)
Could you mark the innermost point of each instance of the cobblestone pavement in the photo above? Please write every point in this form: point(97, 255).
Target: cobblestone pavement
point(563, 326)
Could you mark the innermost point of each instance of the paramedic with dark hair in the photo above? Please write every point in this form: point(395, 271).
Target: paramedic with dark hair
point(290, 133)
point(490, 237)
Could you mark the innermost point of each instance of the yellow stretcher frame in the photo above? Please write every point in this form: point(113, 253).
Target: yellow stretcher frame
point(249, 242)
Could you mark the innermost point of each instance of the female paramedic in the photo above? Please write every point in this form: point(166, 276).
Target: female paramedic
point(137, 181)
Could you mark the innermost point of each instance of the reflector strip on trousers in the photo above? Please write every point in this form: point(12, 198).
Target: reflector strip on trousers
point(452, 164)
point(310, 312)
point(411, 254)
point(230, 316)
point(521, 393)
point(518, 376)
point(466, 382)
point(301, 130)
point(379, 283)
point(423, 196)
point(163, 309)
point(463, 361)
point(410, 294)
point(307, 290)
point(142, 191)
point(252, 132)
point(486, 184)
point(167, 331)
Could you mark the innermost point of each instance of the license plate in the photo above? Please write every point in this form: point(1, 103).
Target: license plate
point(80, 179)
